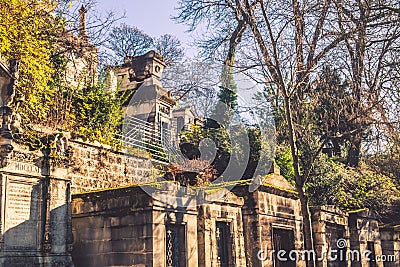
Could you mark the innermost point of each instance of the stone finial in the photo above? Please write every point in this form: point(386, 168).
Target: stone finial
point(275, 169)
point(82, 21)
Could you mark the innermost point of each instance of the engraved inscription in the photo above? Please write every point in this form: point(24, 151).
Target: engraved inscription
point(22, 215)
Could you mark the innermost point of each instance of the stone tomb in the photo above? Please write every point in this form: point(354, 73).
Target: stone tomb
point(220, 231)
point(134, 226)
point(331, 236)
point(127, 227)
point(390, 242)
point(364, 238)
point(35, 212)
point(271, 222)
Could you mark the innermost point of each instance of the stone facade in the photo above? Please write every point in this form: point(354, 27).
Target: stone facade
point(364, 235)
point(126, 227)
point(330, 225)
point(35, 211)
point(271, 222)
point(217, 228)
point(390, 242)
point(220, 226)
point(81, 56)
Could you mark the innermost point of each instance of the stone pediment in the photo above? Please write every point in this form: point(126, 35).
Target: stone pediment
point(223, 196)
point(277, 181)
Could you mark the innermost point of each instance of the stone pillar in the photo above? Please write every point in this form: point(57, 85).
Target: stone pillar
point(46, 244)
point(82, 22)
point(8, 80)
point(2, 208)
point(57, 237)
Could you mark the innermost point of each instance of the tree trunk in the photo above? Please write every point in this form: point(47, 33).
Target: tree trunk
point(307, 227)
point(353, 156)
point(358, 68)
point(337, 151)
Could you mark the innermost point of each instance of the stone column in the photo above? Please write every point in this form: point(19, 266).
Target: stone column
point(57, 234)
point(46, 245)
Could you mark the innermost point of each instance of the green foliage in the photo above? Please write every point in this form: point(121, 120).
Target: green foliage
point(157, 151)
point(331, 106)
point(334, 184)
point(31, 34)
point(193, 136)
point(96, 114)
point(284, 160)
point(228, 91)
point(388, 162)
point(247, 139)
point(28, 33)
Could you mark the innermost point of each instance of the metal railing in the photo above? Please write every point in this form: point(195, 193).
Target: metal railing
point(159, 142)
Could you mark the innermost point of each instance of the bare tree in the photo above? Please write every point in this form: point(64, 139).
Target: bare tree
point(97, 24)
point(126, 40)
point(371, 51)
point(170, 47)
point(194, 82)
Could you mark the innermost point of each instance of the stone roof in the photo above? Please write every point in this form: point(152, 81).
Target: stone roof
point(278, 181)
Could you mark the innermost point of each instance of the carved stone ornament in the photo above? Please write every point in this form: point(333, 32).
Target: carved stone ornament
point(8, 80)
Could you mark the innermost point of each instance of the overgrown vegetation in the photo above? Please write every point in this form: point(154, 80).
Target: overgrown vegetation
point(31, 34)
point(28, 33)
point(333, 183)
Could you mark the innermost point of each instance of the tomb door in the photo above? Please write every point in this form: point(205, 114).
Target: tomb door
point(283, 240)
point(224, 244)
point(372, 255)
point(175, 245)
point(334, 233)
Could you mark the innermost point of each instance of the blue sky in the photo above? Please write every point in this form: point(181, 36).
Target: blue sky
point(151, 16)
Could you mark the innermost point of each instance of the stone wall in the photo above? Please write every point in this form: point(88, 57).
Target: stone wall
point(390, 242)
point(95, 167)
